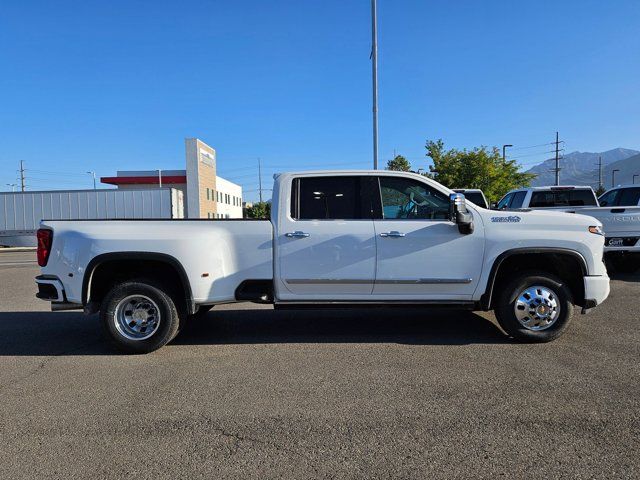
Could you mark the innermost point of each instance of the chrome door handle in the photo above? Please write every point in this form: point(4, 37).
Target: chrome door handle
point(297, 233)
point(393, 234)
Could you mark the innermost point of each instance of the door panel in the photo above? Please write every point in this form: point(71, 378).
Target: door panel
point(421, 255)
point(326, 248)
point(432, 261)
point(337, 258)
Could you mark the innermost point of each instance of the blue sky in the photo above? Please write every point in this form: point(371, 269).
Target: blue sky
point(102, 86)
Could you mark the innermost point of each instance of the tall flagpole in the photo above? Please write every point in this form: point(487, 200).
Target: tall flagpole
point(374, 63)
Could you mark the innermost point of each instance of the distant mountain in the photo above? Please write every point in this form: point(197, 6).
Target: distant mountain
point(581, 168)
point(628, 168)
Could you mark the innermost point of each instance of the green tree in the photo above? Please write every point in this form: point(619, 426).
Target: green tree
point(399, 164)
point(481, 168)
point(261, 210)
point(600, 190)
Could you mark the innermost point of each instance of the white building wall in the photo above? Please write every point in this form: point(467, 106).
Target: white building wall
point(229, 199)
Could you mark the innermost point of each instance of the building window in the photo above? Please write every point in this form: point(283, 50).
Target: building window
point(207, 194)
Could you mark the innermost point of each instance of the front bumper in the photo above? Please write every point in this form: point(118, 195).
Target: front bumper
point(596, 291)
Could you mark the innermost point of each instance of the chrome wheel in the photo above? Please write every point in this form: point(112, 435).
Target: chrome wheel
point(137, 317)
point(537, 308)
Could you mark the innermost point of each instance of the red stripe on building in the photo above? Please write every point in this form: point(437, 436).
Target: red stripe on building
point(143, 180)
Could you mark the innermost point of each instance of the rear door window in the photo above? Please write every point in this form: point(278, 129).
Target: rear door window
point(330, 198)
point(629, 197)
point(518, 200)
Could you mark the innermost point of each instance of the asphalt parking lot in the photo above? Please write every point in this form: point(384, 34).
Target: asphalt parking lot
point(250, 392)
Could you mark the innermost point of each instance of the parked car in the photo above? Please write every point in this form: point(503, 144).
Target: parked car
point(334, 238)
point(474, 195)
point(621, 223)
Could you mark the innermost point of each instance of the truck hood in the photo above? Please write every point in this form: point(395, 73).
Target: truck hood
point(553, 219)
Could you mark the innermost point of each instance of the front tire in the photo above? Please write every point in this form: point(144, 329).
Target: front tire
point(535, 307)
point(139, 316)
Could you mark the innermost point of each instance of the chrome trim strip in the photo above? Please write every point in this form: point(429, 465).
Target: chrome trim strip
point(424, 281)
point(341, 281)
point(323, 281)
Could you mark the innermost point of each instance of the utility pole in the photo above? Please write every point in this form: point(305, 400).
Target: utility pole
point(159, 178)
point(21, 175)
point(557, 161)
point(260, 179)
point(600, 173)
point(374, 63)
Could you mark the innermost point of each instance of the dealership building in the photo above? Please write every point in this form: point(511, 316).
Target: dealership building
point(205, 194)
point(195, 192)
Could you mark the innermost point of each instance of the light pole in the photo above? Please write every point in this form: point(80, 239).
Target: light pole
point(634, 178)
point(374, 74)
point(13, 186)
point(93, 174)
point(504, 152)
point(613, 176)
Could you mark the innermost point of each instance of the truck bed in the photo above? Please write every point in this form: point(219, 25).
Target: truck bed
point(216, 255)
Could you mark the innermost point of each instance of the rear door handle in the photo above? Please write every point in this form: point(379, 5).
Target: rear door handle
point(393, 234)
point(296, 234)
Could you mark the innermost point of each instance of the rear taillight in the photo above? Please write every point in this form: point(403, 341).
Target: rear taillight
point(45, 237)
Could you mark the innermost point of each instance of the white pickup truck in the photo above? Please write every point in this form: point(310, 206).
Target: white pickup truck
point(335, 238)
point(617, 209)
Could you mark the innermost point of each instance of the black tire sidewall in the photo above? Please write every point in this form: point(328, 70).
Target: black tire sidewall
point(169, 318)
point(505, 308)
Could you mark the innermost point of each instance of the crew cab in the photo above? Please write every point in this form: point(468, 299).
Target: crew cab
point(617, 209)
point(340, 238)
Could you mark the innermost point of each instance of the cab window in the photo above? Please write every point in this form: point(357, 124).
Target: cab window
point(404, 198)
point(563, 198)
point(518, 200)
point(629, 197)
point(329, 198)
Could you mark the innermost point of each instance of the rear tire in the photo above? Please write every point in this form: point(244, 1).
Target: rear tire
point(139, 316)
point(535, 307)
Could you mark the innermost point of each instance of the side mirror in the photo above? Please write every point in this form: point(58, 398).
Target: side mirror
point(494, 205)
point(459, 214)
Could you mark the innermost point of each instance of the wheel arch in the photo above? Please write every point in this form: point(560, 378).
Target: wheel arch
point(149, 258)
point(524, 257)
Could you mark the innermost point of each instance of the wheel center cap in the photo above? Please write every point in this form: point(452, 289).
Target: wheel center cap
point(140, 316)
point(542, 310)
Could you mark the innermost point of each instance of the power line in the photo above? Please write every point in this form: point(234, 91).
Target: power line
point(532, 146)
point(533, 154)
